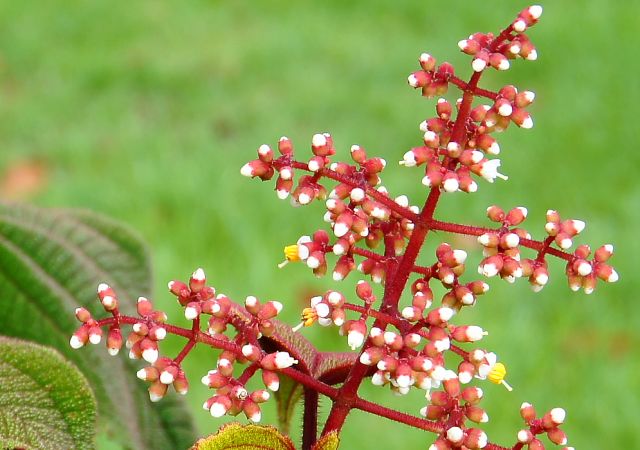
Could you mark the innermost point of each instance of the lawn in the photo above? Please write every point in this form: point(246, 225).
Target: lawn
point(145, 111)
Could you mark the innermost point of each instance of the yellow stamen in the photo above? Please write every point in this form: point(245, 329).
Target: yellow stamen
point(308, 317)
point(497, 374)
point(290, 254)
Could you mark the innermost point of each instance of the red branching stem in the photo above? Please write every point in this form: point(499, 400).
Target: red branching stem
point(371, 192)
point(190, 343)
point(248, 373)
point(479, 92)
point(545, 248)
point(185, 351)
point(477, 231)
point(397, 416)
point(426, 271)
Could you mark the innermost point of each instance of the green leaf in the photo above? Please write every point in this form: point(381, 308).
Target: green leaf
point(287, 397)
point(51, 262)
point(45, 402)
point(234, 436)
point(330, 441)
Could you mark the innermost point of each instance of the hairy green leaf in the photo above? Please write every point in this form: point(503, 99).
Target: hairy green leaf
point(234, 436)
point(330, 441)
point(51, 262)
point(45, 402)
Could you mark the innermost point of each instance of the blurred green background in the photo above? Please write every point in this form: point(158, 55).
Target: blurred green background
point(145, 111)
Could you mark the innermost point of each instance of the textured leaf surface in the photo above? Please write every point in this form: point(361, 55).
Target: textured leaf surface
point(287, 397)
point(45, 402)
point(329, 442)
point(51, 262)
point(235, 436)
point(331, 368)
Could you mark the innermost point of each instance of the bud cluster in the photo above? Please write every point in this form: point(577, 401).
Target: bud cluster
point(398, 343)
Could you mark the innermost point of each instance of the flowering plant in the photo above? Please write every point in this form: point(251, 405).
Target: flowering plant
point(402, 346)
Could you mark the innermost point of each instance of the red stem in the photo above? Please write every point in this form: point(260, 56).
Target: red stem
point(309, 419)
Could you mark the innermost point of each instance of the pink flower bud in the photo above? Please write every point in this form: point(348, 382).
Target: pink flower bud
point(277, 361)
point(522, 118)
point(472, 395)
point(468, 333)
point(79, 338)
point(270, 310)
point(157, 391)
point(499, 61)
point(83, 315)
point(192, 310)
point(475, 438)
point(149, 350)
point(265, 153)
point(527, 412)
point(439, 316)
point(476, 414)
point(181, 384)
point(271, 380)
point(251, 352)
point(364, 291)
point(219, 405)
point(427, 61)
point(144, 306)
point(95, 335)
point(114, 341)
point(257, 168)
point(419, 79)
point(215, 379)
point(496, 214)
point(557, 436)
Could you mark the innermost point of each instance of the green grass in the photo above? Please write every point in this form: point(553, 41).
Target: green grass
point(145, 111)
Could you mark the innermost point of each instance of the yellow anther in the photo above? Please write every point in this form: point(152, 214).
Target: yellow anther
point(309, 316)
point(290, 254)
point(497, 374)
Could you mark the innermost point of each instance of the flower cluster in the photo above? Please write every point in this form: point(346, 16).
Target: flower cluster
point(418, 343)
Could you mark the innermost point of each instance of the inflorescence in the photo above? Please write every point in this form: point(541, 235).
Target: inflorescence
point(402, 346)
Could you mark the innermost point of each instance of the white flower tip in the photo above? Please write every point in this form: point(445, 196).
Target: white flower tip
point(75, 342)
point(318, 140)
point(166, 377)
point(532, 56)
point(246, 170)
point(102, 287)
point(519, 25)
point(450, 185)
point(455, 434)
point(558, 415)
point(535, 11)
point(527, 123)
point(95, 338)
point(190, 313)
point(445, 314)
point(478, 65)
point(460, 256)
point(505, 110)
point(150, 355)
point(154, 397)
point(256, 417)
point(199, 275)
point(579, 225)
point(504, 64)
point(523, 436)
point(218, 410)
point(613, 277)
